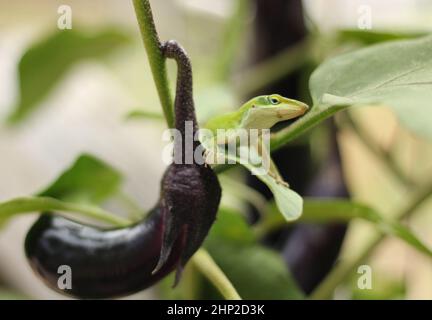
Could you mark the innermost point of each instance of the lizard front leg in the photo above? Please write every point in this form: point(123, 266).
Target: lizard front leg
point(267, 162)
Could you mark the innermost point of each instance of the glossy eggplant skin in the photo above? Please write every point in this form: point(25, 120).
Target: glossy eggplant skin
point(104, 263)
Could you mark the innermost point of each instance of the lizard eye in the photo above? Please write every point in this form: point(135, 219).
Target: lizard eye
point(274, 100)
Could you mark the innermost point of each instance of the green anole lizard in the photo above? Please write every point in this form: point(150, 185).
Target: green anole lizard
point(261, 112)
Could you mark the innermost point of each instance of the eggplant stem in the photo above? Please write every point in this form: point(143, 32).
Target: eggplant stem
point(208, 267)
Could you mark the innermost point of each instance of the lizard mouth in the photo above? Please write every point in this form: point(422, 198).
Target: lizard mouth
point(304, 108)
point(281, 114)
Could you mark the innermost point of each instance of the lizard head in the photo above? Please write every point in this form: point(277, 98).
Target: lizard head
point(263, 112)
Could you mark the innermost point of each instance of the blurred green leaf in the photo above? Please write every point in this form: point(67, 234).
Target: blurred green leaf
point(333, 210)
point(189, 288)
point(233, 35)
point(231, 226)
point(44, 64)
point(87, 183)
point(255, 271)
point(369, 37)
point(7, 294)
point(383, 289)
point(214, 99)
point(289, 202)
point(396, 74)
point(143, 114)
point(87, 180)
point(11, 208)
point(238, 191)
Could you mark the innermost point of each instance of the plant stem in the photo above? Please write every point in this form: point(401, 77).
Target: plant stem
point(245, 193)
point(157, 60)
point(95, 213)
point(377, 150)
point(342, 271)
point(208, 267)
point(232, 35)
point(274, 69)
point(46, 204)
point(312, 118)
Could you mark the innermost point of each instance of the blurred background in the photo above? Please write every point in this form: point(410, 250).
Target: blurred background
point(86, 112)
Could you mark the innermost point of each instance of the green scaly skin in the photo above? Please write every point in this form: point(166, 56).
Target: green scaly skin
point(261, 112)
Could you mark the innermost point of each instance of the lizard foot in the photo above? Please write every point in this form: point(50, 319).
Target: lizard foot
point(278, 180)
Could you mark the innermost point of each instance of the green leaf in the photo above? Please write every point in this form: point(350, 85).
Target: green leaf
point(8, 294)
point(143, 114)
point(87, 180)
point(368, 37)
point(231, 226)
point(255, 271)
point(332, 210)
point(396, 74)
point(290, 204)
point(44, 64)
point(87, 183)
point(10, 208)
point(344, 210)
point(383, 289)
